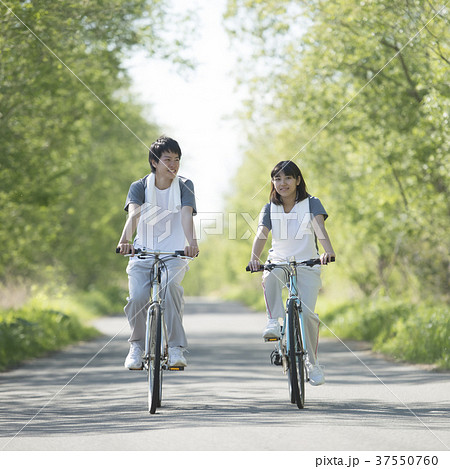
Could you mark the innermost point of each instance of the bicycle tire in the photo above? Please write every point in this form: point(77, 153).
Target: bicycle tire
point(300, 363)
point(154, 360)
point(296, 363)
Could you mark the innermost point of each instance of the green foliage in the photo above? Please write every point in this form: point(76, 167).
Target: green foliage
point(357, 94)
point(54, 317)
point(31, 332)
point(359, 100)
point(72, 140)
point(422, 337)
point(418, 334)
point(66, 160)
point(371, 321)
point(84, 304)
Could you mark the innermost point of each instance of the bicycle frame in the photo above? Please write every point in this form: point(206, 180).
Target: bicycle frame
point(156, 353)
point(294, 296)
point(290, 351)
point(290, 268)
point(156, 299)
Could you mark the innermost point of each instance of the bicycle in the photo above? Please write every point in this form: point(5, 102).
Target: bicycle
point(156, 353)
point(290, 351)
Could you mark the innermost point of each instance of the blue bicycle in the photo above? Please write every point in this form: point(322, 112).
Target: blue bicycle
point(290, 351)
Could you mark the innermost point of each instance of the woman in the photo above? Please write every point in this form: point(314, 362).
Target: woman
point(296, 220)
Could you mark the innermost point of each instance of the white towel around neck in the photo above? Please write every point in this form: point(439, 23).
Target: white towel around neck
point(174, 194)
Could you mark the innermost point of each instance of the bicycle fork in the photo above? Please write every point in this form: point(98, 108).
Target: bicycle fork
point(279, 355)
point(147, 352)
point(303, 351)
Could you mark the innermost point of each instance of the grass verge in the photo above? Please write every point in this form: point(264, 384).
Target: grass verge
point(48, 323)
point(404, 331)
point(29, 332)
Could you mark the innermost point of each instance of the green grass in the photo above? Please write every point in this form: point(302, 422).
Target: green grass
point(407, 332)
point(50, 322)
point(30, 332)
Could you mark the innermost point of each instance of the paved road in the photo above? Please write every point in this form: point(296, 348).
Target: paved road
point(229, 397)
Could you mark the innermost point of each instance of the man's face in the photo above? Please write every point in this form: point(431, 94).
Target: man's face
point(168, 165)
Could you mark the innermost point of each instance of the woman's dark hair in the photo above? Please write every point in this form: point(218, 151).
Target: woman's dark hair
point(288, 168)
point(161, 145)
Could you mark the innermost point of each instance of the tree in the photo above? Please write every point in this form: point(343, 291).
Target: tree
point(66, 160)
point(356, 93)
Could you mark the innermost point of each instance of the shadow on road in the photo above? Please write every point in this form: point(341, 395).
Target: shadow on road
point(229, 381)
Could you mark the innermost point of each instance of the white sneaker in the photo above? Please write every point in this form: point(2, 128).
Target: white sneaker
point(272, 330)
point(134, 357)
point(176, 357)
point(316, 376)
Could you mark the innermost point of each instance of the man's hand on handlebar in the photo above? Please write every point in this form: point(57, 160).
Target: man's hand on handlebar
point(191, 251)
point(254, 266)
point(125, 248)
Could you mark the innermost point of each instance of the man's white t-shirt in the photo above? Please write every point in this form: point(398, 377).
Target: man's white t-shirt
point(158, 228)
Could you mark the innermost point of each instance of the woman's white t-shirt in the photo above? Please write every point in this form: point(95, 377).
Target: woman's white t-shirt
point(293, 234)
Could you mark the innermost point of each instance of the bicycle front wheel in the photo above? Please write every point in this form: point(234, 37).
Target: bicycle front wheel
point(296, 355)
point(154, 359)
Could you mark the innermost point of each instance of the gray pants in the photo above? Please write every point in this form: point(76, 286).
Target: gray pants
point(140, 276)
point(308, 284)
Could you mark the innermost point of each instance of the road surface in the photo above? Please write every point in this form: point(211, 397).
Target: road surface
point(228, 398)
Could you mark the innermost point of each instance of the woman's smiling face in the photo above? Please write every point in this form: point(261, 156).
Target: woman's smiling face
point(285, 185)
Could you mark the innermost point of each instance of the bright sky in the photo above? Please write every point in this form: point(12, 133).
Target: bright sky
point(196, 111)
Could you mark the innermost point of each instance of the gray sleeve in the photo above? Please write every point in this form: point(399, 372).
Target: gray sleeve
point(264, 217)
point(188, 195)
point(317, 208)
point(136, 193)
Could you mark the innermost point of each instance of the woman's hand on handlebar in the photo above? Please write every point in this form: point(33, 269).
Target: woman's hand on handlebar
point(125, 248)
point(327, 257)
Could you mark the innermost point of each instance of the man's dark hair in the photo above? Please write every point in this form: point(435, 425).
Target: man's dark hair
point(161, 145)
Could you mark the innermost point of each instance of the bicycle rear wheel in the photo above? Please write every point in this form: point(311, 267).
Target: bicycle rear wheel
point(296, 362)
point(154, 359)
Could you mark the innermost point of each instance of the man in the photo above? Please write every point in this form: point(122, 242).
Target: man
point(161, 207)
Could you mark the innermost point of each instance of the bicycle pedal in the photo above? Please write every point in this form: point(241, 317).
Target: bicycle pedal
point(175, 368)
point(136, 369)
point(271, 339)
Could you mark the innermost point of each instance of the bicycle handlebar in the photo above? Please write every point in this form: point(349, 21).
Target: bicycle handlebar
point(140, 251)
point(272, 265)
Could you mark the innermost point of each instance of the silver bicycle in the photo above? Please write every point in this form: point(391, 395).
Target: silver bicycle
point(156, 353)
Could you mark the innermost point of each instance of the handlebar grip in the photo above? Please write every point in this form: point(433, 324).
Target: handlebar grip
point(136, 251)
point(179, 253)
point(261, 268)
